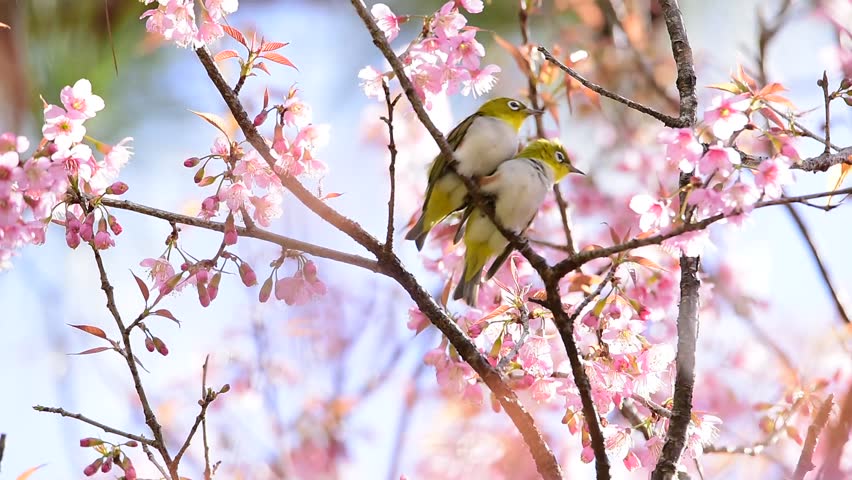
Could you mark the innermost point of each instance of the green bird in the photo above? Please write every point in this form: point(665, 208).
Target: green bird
point(519, 187)
point(480, 143)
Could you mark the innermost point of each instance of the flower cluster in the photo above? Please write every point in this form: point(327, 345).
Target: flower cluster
point(445, 58)
point(110, 454)
point(712, 154)
point(32, 185)
point(175, 21)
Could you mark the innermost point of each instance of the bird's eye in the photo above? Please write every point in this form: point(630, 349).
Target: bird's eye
point(514, 105)
point(560, 157)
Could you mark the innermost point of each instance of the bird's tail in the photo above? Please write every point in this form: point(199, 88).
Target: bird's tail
point(418, 232)
point(468, 286)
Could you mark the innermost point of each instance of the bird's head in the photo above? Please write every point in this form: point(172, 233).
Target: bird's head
point(511, 111)
point(553, 154)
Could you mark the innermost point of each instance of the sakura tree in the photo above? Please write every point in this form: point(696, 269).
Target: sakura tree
point(587, 340)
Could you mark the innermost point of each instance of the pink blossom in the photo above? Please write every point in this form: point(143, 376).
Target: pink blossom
point(300, 288)
point(654, 214)
point(708, 201)
point(726, 115)
point(448, 21)
point(117, 156)
point(11, 143)
point(254, 171)
point(311, 137)
point(690, 244)
point(682, 148)
point(218, 9)
point(371, 82)
point(11, 208)
point(535, 357)
point(160, 270)
point(266, 208)
point(739, 197)
point(296, 113)
point(235, 195)
point(719, 159)
point(209, 31)
point(545, 389)
point(772, 175)
point(631, 461)
point(221, 147)
point(481, 81)
point(466, 49)
point(103, 240)
point(80, 101)
point(209, 207)
point(472, 6)
point(10, 172)
point(386, 20)
point(78, 161)
point(417, 321)
point(617, 442)
point(61, 128)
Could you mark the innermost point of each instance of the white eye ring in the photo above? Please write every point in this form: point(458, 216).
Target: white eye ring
point(560, 157)
point(514, 105)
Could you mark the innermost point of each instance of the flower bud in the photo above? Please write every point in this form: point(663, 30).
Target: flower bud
point(199, 175)
point(107, 466)
point(132, 443)
point(247, 275)
point(72, 239)
point(213, 286)
point(310, 271)
point(191, 162)
point(90, 442)
point(114, 225)
point(161, 346)
point(265, 291)
point(260, 118)
point(92, 468)
point(225, 388)
point(149, 344)
point(203, 294)
point(129, 471)
point(117, 188)
point(87, 231)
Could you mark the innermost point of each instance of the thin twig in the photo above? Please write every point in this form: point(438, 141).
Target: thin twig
point(207, 397)
point(151, 458)
point(823, 270)
point(667, 120)
point(392, 167)
point(827, 99)
point(260, 234)
point(653, 406)
point(806, 463)
point(139, 438)
point(759, 447)
point(2, 446)
point(802, 130)
point(566, 221)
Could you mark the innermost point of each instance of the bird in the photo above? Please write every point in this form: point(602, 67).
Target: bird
point(518, 188)
point(480, 143)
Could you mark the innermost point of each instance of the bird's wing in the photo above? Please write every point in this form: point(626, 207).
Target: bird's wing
point(441, 162)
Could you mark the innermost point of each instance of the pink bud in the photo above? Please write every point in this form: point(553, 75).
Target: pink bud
point(72, 239)
point(103, 240)
point(87, 231)
point(170, 284)
point(203, 295)
point(474, 330)
point(149, 344)
point(72, 223)
point(51, 149)
point(90, 442)
point(231, 237)
point(129, 472)
point(247, 275)
point(161, 346)
point(210, 204)
point(92, 468)
point(117, 188)
point(590, 320)
point(587, 455)
point(644, 313)
point(260, 118)
point(107, 466)
point(265, 291)
point(199, 175)
point(132, 443)
point(202, 276)
point(310, 271)
point(191, 162)
point(213, 287)
point(114, 225)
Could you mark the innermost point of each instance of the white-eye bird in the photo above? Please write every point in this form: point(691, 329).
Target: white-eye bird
point(480, 143)
point(519, 187)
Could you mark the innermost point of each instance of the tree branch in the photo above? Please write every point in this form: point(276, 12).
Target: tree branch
point(139, 438)
point(806, 463)
point(253, 232)
point(392, 167)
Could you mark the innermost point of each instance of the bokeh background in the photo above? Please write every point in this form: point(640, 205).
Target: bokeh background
point(346, 368)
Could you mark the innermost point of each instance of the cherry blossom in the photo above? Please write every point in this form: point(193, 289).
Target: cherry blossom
point(726, 115)
point(80, 101)
point(653, 213)
point(386, 20)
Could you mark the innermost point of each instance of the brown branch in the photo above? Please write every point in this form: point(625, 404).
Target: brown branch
point(392, 167)
point(667, 120)
point(631, 414)
point(2, 446)
point(260, 234)
point(581, 258)
point(837, 437)
point(391, 266)
point(207, 397)
point(139, 438)
point(824, 84)
point(806, 463)
point(823, 162)
point(566, 222)
point(151, 458)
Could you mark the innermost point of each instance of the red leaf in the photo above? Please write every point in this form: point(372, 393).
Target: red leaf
point(29, 471)
point(91, 330)
point(793, 433)
point(278, 58)
point(92, 350)
point(214, 120)
point(262, 66)
point(165, 313)
point(644, 262)
point(235, 34)
point(329, 196)
point(265, 98)
point(142, 287)
point(727, 87)
point(225, 54)
point(496, 313)
point(270, 46)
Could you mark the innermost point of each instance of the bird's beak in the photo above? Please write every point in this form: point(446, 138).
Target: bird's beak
point(576, 170)
point(532, 111)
